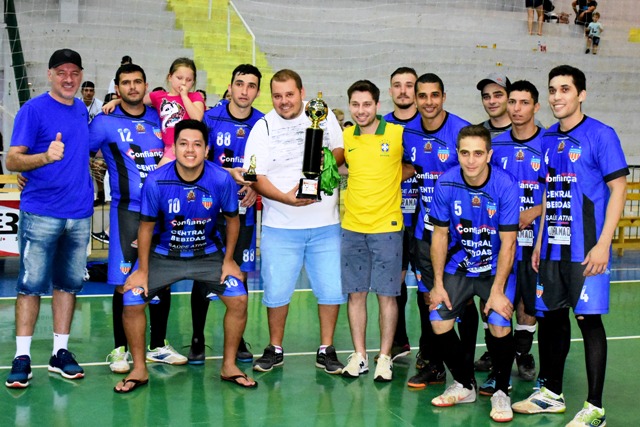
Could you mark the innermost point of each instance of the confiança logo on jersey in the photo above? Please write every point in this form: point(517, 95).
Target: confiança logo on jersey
point(154, 152)
point(487, 229)
point(190, 221)
point(565, 177)
point(235, 159)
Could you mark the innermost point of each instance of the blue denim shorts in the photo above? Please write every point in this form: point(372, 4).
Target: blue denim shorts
point(284, 252)
point(53, 252)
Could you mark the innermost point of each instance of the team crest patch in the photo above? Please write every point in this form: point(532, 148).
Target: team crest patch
point(191, 196)
point(491, 209)
point(428, 147)
point(561, 147)
point(207, 202)
point(535, 164)
point(384, 147)
point(140, 128)
point(476, 202)
point(157, 132)
point(574, 154)
point(125, 267)
point(443, 154)
point(240, 133)
point(519, 156)
point(539, 290)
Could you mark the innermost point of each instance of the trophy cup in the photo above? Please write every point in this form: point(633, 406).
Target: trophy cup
point(250, 174)
point(309, 188)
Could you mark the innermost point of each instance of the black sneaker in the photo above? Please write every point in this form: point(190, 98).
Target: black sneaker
point(432, 374)
point(526, 367)
point(20, 372)
point(268, 360)
point(484, 364)
point(65, 364)
point(101, 237)
point(244, 355)
point(329, 361)
point(196, 353)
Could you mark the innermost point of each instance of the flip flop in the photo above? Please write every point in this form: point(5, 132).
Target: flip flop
point(136, 384)
point(234, 379)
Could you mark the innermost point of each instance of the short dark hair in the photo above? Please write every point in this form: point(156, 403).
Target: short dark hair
point(364, 86)
point(430, 78)
point(579, 79)
point(88, 83)
point(191, 124)
point(477, 131)
point(525, 86)
point(246, 69)
point(286, 74)
point(203, 93)
point(404, 70)
point(129, 68)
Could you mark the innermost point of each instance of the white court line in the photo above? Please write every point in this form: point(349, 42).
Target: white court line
point(313, 353)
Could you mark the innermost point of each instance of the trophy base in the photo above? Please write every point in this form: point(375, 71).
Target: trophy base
point(250, 177)
point(309, 189)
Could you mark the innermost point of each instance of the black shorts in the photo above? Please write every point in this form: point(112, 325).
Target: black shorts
point(421, 261)
point(164, 271)
point(462, 288)
point(563, 285)
point(407, 241)
point(533, 4)
point(245, 252)
point(526, 282)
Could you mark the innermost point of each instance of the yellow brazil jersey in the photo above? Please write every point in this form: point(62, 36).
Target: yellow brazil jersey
point(373, 198)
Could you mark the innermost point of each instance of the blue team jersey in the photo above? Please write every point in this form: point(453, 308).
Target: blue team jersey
point(409, 187)
point(132, 147)
point(62, 189)
point(185, 213)
point(475, 216)
point(227, 140)
point(432, 153)
point(576, 168)
point(522, 158)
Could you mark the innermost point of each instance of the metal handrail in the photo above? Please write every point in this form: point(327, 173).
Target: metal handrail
point(246, 26)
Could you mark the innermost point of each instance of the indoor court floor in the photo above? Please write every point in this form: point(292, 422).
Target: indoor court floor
point(297, 394)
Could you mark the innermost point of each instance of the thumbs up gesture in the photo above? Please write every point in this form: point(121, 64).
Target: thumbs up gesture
point(56, 149)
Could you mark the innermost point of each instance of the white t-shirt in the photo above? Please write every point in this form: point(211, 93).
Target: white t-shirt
point(278, 145)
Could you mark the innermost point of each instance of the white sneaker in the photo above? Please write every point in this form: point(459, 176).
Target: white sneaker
point(501, 407)
point(356, 365)
point(384, 369)
point(541, 401)
point(590, 415)
point(454, 394)
point(119, 360)
point(166, 354)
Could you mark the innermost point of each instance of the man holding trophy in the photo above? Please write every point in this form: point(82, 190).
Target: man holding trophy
point(298, 227)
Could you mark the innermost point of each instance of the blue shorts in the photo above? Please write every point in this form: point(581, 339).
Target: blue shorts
point(462, 288)
point(372, 262)
point(562, 285)
point(123, 225)
point(284, 252)
point(53, 252)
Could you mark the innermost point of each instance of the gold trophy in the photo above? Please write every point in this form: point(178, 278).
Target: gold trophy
point(309, 188)
point(250, 174)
